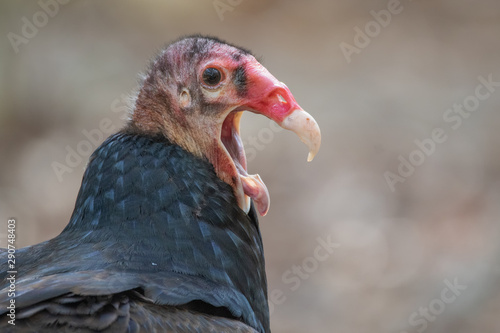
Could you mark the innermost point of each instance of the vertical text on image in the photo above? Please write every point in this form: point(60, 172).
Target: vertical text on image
point(11, 270)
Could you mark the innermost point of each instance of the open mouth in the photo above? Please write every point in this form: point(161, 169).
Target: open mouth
point(252, 186)
point(272, 99)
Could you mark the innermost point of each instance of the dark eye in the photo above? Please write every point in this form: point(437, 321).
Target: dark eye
point(211, 76)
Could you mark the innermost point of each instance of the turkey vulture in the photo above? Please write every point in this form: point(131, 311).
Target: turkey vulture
point(164, 236)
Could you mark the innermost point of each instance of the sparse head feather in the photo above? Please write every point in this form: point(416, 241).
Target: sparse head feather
point(187, 51)
point(176, 69)
point(199, 40)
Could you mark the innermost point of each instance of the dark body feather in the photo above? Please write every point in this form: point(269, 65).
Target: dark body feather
point(156, 242)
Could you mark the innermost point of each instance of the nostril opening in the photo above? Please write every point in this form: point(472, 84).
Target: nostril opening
point(281, 99)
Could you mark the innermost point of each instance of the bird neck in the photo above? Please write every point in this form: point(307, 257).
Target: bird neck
point(156, 114)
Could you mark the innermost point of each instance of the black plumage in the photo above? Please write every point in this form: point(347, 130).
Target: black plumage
point(153, 226)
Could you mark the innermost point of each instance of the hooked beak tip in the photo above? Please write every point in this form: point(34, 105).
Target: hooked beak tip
point(307, 129)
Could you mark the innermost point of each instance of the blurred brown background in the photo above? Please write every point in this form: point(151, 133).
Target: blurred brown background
point(421, 258)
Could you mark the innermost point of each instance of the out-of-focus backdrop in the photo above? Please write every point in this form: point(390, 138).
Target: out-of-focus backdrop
point(394, 227)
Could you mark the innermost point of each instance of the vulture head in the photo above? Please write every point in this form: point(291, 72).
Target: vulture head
point(194, 94)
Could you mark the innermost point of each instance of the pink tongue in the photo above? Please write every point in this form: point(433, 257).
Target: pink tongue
point(255, 188)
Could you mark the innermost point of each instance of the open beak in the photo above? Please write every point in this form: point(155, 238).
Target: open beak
point(271, 98)
point(274, 100)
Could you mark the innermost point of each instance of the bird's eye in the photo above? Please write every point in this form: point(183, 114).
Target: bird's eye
point(211, 76)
